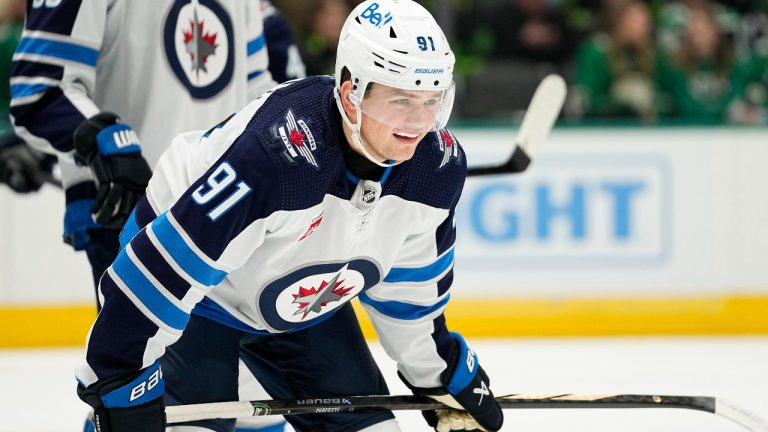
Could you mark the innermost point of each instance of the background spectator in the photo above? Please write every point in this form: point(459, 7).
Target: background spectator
point(705, 79)
point(615, 68)
point(322, 35)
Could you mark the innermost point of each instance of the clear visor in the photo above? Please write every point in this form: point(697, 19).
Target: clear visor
point(413, 111)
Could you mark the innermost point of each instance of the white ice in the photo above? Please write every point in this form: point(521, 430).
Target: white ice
point(38, 386)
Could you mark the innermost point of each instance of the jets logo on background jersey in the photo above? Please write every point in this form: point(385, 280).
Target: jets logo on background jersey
point(297, 139)
point(199, 43)
point(447, 143)
point(314, 291)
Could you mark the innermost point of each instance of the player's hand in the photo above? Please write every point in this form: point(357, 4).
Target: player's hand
point(112, 151)
point(466, 389)
point(127, 404)
point(21, 166)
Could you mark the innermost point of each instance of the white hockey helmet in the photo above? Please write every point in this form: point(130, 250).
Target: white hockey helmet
point(399, 44)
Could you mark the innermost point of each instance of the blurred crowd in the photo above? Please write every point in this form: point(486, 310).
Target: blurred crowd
point(652, 61)
point(644, 61)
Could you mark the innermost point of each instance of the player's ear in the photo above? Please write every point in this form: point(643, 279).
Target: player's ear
point(349, 107)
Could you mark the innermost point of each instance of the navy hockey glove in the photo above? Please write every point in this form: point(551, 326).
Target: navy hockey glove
point(128, 404)
point(112, 151)
point(466, 389)
point(21, 167)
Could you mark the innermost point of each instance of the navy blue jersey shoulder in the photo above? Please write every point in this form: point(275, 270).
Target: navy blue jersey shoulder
point(435, 175)
point(300, 127)
point(241, 187)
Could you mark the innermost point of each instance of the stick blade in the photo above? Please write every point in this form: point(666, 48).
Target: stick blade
point(545, 107)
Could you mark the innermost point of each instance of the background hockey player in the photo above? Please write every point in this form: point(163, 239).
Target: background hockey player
point(254, 235)
point(105, 85)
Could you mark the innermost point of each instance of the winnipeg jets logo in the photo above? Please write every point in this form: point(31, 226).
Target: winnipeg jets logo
point(482, 391)
point(298, 139)
point(200, 44)
point(311, 291)
point(447, 143)
point(314, 299)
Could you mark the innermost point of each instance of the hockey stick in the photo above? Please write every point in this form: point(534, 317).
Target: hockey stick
point(184, 413)
point(542, 112)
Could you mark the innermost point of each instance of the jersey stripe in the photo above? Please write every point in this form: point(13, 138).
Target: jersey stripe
point(421, 274)
point(157, 266)
point(23, 90)
point(57, 49)
point(146, 292)
point(255, 45)
point(183, 255)
point(401, 310)
point(255, 74)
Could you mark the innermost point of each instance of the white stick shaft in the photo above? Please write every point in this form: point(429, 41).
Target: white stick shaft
point(185, 413)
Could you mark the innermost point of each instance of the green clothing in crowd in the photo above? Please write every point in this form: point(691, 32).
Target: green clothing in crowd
point(10, 33)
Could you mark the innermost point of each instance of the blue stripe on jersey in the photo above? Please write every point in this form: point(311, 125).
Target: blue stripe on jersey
point(256, 45)
point(22, 90)
point(210, 309)
point(130, 229)
point(147, 293)
point(353, 178)
point(385, 176)
point(254, 74)
point(420, 274)
point(400, 310)
point(57, 49)
point(184, 256)
point(279, 427)
point(154, 262)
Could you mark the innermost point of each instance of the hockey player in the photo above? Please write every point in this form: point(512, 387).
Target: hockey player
point(91, 78)
point(88, 71)
point(253, 237)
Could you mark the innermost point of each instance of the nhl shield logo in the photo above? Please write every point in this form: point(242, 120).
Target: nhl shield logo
point(199, 43)
point(297, 139)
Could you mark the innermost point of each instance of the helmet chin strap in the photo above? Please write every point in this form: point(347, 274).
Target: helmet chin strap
point(357, 139)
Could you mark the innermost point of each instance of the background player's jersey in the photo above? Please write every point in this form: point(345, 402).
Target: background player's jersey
point(164, 66)
point(257, 224)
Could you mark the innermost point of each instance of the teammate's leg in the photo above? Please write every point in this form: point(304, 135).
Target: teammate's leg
point(326, 360)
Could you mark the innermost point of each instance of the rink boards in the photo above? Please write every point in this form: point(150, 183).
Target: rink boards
point(612, 231)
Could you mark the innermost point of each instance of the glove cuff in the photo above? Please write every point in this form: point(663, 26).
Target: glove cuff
point(125, 391)
point(104, 134)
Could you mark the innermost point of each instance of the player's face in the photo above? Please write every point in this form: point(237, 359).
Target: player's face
point(395, 120)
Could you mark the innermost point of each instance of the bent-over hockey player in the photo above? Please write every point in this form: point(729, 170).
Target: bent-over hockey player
point(254, 236)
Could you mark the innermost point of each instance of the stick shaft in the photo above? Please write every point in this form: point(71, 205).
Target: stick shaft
point(183, 413)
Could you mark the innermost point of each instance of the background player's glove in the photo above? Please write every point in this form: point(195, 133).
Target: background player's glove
point(465, 388)
point(22, 167)
point(112, 151)
point(128, 404)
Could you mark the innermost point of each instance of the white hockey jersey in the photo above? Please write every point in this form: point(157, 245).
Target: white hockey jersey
point(257, 224)
point(163, 66)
